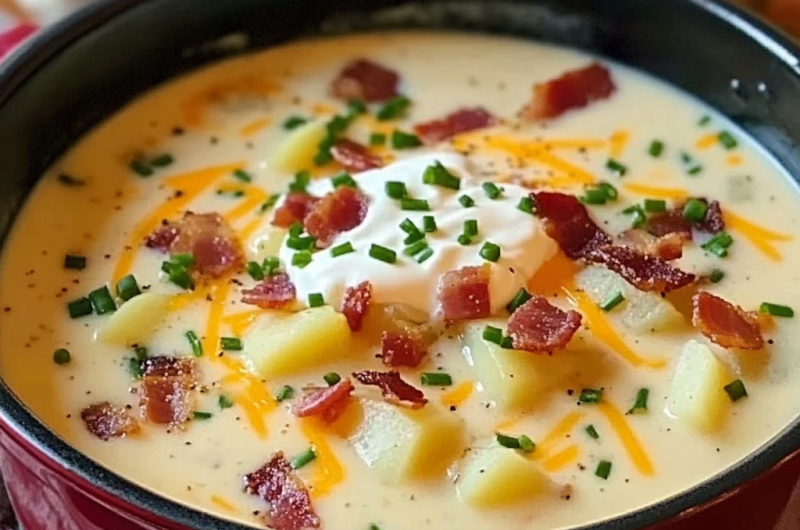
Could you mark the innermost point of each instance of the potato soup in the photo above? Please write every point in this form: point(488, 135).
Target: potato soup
point(409, 280)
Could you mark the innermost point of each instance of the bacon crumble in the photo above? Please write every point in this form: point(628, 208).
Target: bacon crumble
point(573, 90)
point(393, 388)
point(293, 209)
point(464, 293)
point(567, 221)
point(403, 349)
point(667, 247)
point(713, 222)
point(165, 391)
point(327, 403)
point(106, 421)
point(460, 121)
point(339, 211)
point(539, 326)
point(354, 157)
point(366, 81)
point(273, 292)
point(645, 272)
point(355, 303)
point(289, 502)
point(725, 324)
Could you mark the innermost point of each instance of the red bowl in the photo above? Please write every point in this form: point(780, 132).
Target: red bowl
point(71, 76)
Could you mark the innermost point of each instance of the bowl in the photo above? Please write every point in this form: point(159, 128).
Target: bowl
point(76, 73)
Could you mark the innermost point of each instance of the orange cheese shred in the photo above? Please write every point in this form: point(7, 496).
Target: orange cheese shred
point(619, 141)
point(562, 459)
point(757, 235)
point(622, 428)
point(254, 127)
point(655, 191)
point(196, 106)
point(558, 433)
point(219, 294)
point(218, 501)
point(253, 198)
point(459, 395)
point(328, 471)
point(734, 160)
point(241, 322)
point(707, 141)
point(247, 232)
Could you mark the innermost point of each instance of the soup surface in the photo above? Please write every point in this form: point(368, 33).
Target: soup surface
point(619, 379)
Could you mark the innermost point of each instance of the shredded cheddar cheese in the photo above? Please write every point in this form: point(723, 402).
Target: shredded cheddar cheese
point(254, 127)
point(559, 432)
point(758, 236)
point(249, 229)
point(239, 323)
point(562, 459)
point(459, 394)
point(707, 141)
point(224, 504)
point(219, 294)
point(253, 197)
point(195, 107)
point(328, 471)
point(619, 141)
point(628, 438)
point(734, 160)
point(655, 191)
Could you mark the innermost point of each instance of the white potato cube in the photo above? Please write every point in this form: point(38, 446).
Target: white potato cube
point(267, 244)
point(697, 395)
point(297, 151)
point(135, 320)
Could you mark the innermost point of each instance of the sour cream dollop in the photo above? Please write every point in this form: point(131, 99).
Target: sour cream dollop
point(524, 245)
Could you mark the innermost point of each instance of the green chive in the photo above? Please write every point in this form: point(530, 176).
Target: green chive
point(641, 401)
point(341, 250)
point(401, 140)
point(255, 271)
point(466, 201)
point(127, 288)
point(301, 181)
point(655, 206)
point(695, 210)
point(508, 442)
point(612, 301)
point(201, 416)
point(286, 392)
point(383, 254)
point(395, 190)
point(493, 334)
point(373, 526)
point(616, 168)
point(520, 298)
point(656, 148)
point(141, 168)
point(736, 390)
point(177, 274)
point(135, 368)
point(716, 276)
point(231, 193)
point(719, 244)
point(603, 470)
point(464, 240)
point(593, 196)
point(344, 179)
point(610, 191)
point(271, 201)
point(436, 379)
point(527, 205)
point(438, 175)
point(303, 459)
point(415, 248)
point(776, 310)
point(377, 139)
point(242, 175)
point(491, 190)
point(592, 432)
point(490, 252)
point(428, 224)
point(74, 262)
point(526, 444)
point(296, 229)
point(301, 243)
point(61, 356)
point(293, 122)
point(224, 402)
point(393, 109)
point(471, 227)
point(102, 301)
point(316, 300)
point(140, 352)
point(507, 343)
point(696, 170)
point(705, 120)
point(301, 259)
point(356, 107)
point(638, 217)
point(332, 378)
point(590, 395)
point(271, 265)
point(231, 344)
point(425, 255)
point(194, 342)
point(414, 205)
point(727, 140)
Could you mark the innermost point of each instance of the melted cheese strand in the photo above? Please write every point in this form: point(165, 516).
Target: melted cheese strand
point(254, 196)
point(254, 127)
point(562, 459)
point(655, 191)
point(241, 322)
point(619, 141)
point(196, 106)
point(559, 433)
point(632, 445)
point(707, 141)
point(224, 504)
point(328, 471)
point(219, 294)
point(459, 394)
point(758, 236)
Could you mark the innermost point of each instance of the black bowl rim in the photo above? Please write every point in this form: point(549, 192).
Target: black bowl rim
point(26, 60)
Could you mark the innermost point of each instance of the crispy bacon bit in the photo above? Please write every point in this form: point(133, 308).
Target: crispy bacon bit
point(207, 237)
point(354, 157)
point(403, 349)
point(573, 90)
point(728, 325)
point(713, 221)
point(165, 392)
point(106, 421)
point(668, 247)
point(289, 502)
point(366, 81)
point(327, 403)
point(645, 272)
point(294, 209)
point(567, 221)
point(393, 388)
point(539, 326)
point(464, 293)
point(671, 222)
point(460, 121)
point(273, 292)
point(339, 211)
point(355, 304)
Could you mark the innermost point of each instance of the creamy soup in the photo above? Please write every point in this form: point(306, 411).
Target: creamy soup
point(578, 358)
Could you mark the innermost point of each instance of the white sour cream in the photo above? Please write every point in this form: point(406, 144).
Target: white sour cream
point(524, 245)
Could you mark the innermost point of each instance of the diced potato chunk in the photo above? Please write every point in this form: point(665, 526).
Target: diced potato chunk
point(697, 395)
point(135, 320)
point(403, 444)
point(515, 379)
point(297, 151)
point(268, 243)
point(641, 312)
point(497, 476)
point(302, 341)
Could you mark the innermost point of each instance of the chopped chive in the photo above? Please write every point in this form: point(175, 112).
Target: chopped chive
point(526, 444)
point(616, 168)
point(393, 109)
point(296, 229)
point(127, 288)
point(341, 250)
point(201, 416)
point(373, 526)
point(464, 240)
point(162, 160)
point(286, 392)
point(377, 139)
point(184, 260)
point(491, 190)
point(471, 227)
point(507, 343)
point(438, 175)
point(271, 265)
point(466, 201)
point(331, 378)
point(141, 168)
point(231, 193)
point(425, 255)
point(656, 148)
point(61, 356)
point(520, 298)
point(776, 310)
point(527, 205)
point(490, 252)
point(686, 158)
point(194, 342)
point(637, 215)
point(610, 191)
point(509, 442)
point(344, 179)
point(705, 120)
point(356, 107)
point(695, 210)
point(177, 274)
point(436, 379)
point(603, 470)
point(641, 401)
point(414, 205)
point(719, 244)
point(590, 395)
point(242, 175)
point(271, 201)
point(413, 238)
point(493, 334)
point(696, 170)
point(70, 181)
point(303, 459)
point(135, 368)
point(612, 301)
point(415, 248)
point(408, 226)
point(102, 301)
point(255, 271)
point(736, 390)
point(727, 140)
point(224, 402)
point(316, 300)
point(655, 205)
point(231, 344)
point(592, 432)
point(74, 262)
point(716, 276)
point(293, 122)
point(383, 254)
point(396, 190)
point(428, 224)
point(140, 352)
point(301, 181)
point(401, 140)
point(301, 259)
point(301, 243)
point(593, 196)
